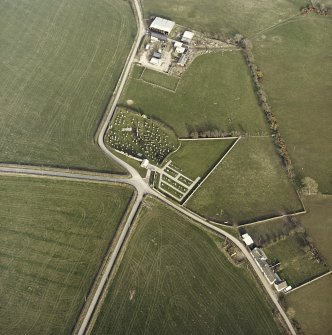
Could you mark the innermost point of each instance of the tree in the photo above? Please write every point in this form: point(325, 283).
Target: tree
point(310, 186)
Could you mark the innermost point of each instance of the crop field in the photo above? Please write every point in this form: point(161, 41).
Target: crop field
point(248, 185)
point(318, 223)
point(54, 235)
point(135, 134)
point(215, 95)
point(223, 17)
point(60, 62)
point(174, 278)
point(196, 158)
point(311, 306)
point(297, 264)
point(296, 61)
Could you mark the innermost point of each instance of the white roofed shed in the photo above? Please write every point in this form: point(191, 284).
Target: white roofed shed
point(162, 26)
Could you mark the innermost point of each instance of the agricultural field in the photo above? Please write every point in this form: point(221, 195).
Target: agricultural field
point(140, 137)
point(224, 18)
point(248, 185)
point(196, 158)
point(311, 306)
point(296, 61)
point(60, 62)
point(297, 263)
point(318, 223)
point(215, 95)
point(54, 235)
point(175, 278)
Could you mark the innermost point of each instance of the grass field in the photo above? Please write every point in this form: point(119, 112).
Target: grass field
point(60, 62)
point(249, 184)
point(223, 17)
point(195, 158)
point(214, 93)
point(296, 61)
point(297, 264)
point(311, 306)
point(54, 235)
point(318, 223)
point(161, 79)
point(174, 279)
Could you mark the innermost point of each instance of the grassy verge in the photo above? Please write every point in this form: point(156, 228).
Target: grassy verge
point(175, 279)
point(215, 94)
point(311, 306)
point(60, 64)
point(300, 91)
point(54, 235)
point(249, 184)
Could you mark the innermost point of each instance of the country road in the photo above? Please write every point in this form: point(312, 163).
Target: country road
point(141, 187)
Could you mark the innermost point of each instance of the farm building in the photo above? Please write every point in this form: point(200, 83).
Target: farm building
point(156, 58)
point(187, 37)
point(280, 285)
point(182, 60)
point(247, 240)
point(162, 26)
point(158, 37)
point(145, 163)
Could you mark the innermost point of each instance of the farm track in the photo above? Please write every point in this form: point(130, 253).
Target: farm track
point(138, 183)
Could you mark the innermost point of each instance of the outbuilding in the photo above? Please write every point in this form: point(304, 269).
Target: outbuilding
point(187, 36)
point(247, 239)
point(162, 26)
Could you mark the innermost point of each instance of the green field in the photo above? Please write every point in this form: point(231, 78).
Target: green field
point(311, 306)
point(161, 79)
point(266, 232)
point(140, 137)
point(195, 158)
point(224, 17)
point(54, 235)
point(297, 264)
point(215, 93)
point(60, 62)
point(174, 279)
point(318, 223)
point(248, 185)
point(296, 61)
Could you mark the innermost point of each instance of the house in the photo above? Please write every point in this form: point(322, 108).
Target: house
point(260, 258)
point(259, 253)
point(187, 37)
point(182, 60)
point(280, 285)
point(247, 240)
point(162, 26)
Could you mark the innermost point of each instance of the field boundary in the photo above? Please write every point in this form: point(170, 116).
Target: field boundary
point(309, 282)
point(218, 163)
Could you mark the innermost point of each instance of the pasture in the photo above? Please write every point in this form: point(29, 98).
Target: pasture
point(318, 223)
point(54, 235)
point(296, 61)
point(214, 94)
point(174, 278)
point(248, 185)
point(297, 264)
point(161, 79)
point(196, 158)
point(224, 18)
point(311, 306)
point(60, 62)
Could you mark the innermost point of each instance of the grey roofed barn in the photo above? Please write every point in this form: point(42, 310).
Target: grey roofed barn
point(162, 26)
